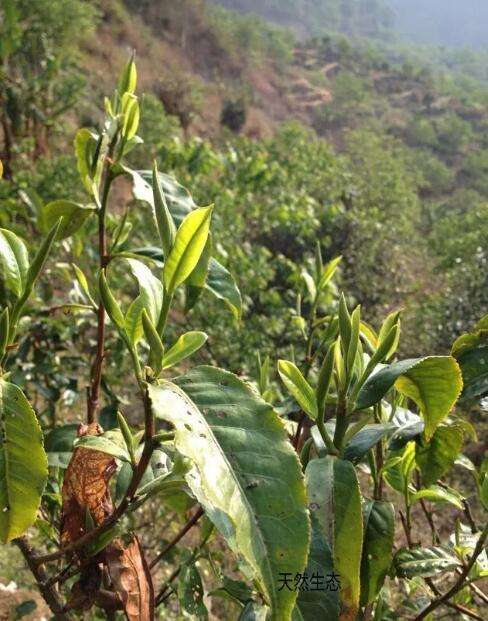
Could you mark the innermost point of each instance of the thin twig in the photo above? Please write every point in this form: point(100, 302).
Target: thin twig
point(167, 585)
point(181, 533)
point(92, 404)
point(430, 519)
point(469, 516)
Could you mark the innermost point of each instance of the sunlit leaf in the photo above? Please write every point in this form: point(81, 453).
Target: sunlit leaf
point(233, 436)
point(23, 463)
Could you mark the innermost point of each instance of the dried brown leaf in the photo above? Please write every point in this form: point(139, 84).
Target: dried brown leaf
point(85, 487)
point(131, 578)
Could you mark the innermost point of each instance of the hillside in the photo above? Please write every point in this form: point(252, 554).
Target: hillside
point(369, 18)
point(375, 113)
point(364, 100)
point(243, 329)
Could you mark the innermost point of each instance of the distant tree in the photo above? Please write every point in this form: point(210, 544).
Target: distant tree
point(233, 114)
point(38, 76)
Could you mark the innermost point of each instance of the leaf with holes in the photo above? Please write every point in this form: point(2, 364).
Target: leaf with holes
point(190, 593)
point(259, 505)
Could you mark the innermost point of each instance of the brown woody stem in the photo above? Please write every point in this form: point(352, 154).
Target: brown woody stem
point(48, 591)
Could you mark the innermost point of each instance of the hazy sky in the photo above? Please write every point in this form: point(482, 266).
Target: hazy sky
point(454, 22)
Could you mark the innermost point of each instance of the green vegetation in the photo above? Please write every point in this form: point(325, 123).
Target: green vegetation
point(280, 370)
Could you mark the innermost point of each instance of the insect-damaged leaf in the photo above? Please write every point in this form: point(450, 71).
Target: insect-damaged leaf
point(190, 593)
point(131, 578)
point(23, 463)
point(85, 488)
point(234, 437)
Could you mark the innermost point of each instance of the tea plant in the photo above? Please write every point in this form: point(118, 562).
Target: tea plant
point(227, 454)
point(361, 426)
point(309, 543)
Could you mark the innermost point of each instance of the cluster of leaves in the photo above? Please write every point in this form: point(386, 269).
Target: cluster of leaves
point(211, 441)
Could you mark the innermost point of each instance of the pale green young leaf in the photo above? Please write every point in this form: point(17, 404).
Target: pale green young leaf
point(310, 284)
point(110, 303)
point(86, 150)
point(73, 216)
point(344, 323)
point(328, 272)
point(164, 219)
point(156, 351)
point(150, 288)
point(298, 387)
point(354, 340)
point(392, 320)
point(325, 379)
point(40, 259)
point(133, 320)
point(435, 493)
point(189, 244)
point(131, 119)
point(185, 346)
point(128, 78)
point(222, 285)
point(83, 283)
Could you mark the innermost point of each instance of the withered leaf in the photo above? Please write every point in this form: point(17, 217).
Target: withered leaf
point(131, 578)
point(85, 488)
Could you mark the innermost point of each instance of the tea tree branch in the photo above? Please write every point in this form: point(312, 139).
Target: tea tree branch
point(47, 590)
point(94, 392)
